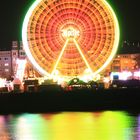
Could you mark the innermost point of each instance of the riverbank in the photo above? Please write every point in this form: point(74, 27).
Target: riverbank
point(77, 100)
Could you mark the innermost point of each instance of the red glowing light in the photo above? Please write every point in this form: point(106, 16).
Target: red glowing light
point(70, 36)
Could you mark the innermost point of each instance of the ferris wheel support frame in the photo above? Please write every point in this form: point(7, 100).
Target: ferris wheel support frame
point(45, 73)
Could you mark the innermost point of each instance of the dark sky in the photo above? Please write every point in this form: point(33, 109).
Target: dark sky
point(12, 13)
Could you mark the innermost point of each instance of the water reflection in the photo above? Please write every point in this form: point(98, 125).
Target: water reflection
point(106, 125)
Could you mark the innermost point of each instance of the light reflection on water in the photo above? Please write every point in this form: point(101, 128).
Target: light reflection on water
point(107, 125)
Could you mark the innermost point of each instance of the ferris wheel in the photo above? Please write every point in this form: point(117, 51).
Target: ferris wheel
point(70, 38)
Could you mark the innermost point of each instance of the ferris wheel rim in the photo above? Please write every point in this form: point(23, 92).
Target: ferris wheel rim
point(34, 62)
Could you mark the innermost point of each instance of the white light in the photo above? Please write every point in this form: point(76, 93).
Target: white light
point(87, 71)
point(125, 75)
point(6, 64)
point(6, 70)
point(70, 33)
point(106, 80)
point(86, 78)
point(2, 82)
point(137, 74)
point(121, 75)
point(60, 81)
point(21, 64)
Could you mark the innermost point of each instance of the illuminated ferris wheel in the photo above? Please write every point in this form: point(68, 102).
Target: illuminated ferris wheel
point(70, 37)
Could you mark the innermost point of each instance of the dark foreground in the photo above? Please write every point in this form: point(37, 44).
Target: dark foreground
point(78, 100)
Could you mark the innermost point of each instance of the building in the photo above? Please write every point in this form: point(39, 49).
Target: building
point(127, 59)
point(125, 62)
point(8, 60)
point(5, 64)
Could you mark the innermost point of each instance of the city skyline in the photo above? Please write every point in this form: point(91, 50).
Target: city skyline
point(12, 14)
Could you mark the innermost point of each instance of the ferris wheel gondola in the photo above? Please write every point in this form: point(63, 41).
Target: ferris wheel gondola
point(70, 36)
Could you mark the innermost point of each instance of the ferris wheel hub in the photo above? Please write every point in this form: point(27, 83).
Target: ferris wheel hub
point(70, 33)
point(77, 38)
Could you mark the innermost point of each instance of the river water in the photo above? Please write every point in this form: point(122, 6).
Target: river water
point(106, 125)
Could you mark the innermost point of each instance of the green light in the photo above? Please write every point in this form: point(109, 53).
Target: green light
point(108, 125)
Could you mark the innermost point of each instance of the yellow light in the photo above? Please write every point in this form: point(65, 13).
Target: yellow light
point(82, 55)
point(69, 33)
point(59, 57)
point(25, 39)
point(116, 39)
point(77, 46)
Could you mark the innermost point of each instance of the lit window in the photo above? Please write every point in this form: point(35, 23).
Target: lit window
point(6, 64)
point(6, 70)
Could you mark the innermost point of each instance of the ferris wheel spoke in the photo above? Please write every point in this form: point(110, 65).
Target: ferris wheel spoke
point(61, 53)
point(54, 26)
point(82, 55)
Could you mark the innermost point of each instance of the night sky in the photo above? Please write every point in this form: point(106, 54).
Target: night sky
point(12, 13)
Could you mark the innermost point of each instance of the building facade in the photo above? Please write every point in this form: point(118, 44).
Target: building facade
point(5, 64)
point(8, 60)
point(125, 62)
